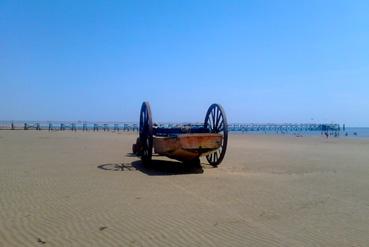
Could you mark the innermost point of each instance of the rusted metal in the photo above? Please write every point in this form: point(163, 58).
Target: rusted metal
point(187, 146)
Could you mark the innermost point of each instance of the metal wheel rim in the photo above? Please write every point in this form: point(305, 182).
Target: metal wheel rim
point(216, 122)
point(146, 132)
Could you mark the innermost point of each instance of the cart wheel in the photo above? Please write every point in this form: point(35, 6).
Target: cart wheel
point(146, 132)
point(216, 122)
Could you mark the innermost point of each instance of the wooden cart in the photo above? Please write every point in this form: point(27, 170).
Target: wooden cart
point(185, 143)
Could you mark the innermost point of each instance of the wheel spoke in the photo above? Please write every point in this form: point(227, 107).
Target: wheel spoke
point(209, 124)
point(216, 114)
point(213, 119)
point(220, 123)
point(219, 115)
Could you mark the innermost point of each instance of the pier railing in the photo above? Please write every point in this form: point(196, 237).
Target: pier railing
point(121, 126)
point(287, 127)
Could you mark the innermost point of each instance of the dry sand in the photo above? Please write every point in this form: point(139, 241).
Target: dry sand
point(84, 189)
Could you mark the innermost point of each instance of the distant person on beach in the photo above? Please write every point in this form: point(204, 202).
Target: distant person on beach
point(326, 134)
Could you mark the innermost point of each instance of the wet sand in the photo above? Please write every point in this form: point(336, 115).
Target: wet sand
point(85, 189)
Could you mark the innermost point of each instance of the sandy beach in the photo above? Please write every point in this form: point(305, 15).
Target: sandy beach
point(86, 189)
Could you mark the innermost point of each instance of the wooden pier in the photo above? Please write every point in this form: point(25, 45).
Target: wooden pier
point(287, 127)
point(116, 127)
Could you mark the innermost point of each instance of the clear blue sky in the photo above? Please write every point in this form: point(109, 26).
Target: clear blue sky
point(264, 61)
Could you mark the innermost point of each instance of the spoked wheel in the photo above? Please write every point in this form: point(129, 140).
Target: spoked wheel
point(146, 132)
point(216, 122)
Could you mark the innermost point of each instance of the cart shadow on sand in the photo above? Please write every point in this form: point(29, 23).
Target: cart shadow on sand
point(157, 167)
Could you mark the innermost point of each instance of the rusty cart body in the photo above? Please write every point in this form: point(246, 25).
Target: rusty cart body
point(185, 143)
